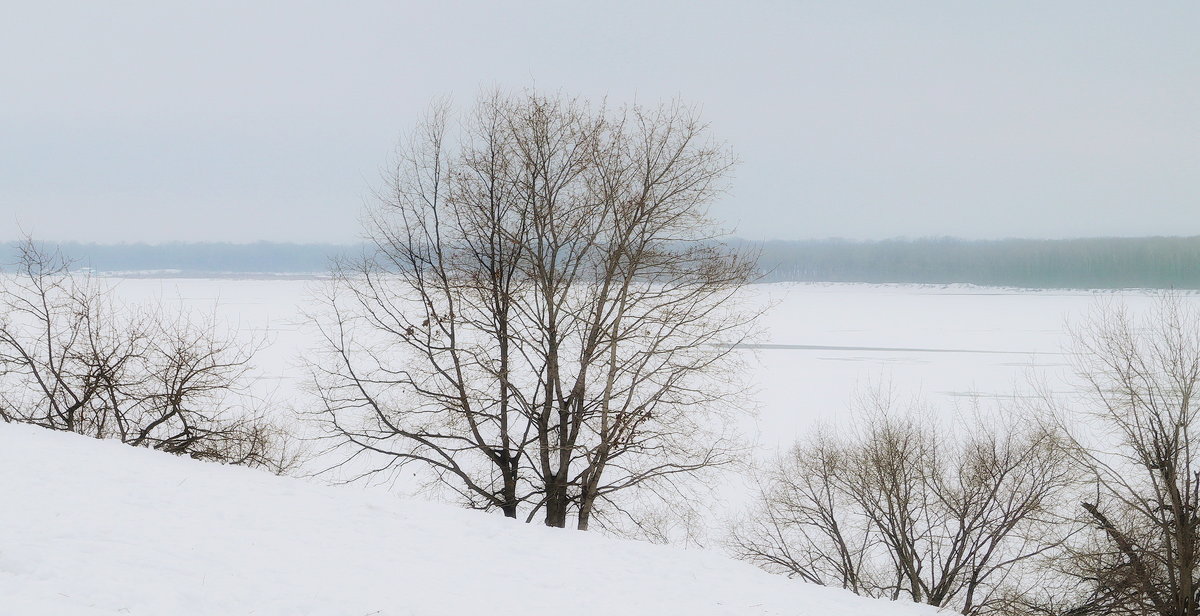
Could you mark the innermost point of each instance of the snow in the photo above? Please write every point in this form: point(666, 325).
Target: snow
point(96, 527)
point(92, 527)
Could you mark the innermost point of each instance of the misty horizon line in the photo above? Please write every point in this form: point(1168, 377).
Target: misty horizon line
point(735, 239)
point(1162, 262)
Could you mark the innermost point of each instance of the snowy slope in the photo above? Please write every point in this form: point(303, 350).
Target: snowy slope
point(90, 527)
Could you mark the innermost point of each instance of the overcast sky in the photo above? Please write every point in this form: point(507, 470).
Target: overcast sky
point(240, 121)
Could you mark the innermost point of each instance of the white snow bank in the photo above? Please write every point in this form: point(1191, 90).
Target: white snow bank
point(91, 527)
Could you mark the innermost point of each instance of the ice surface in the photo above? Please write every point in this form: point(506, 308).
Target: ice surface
point(824, 343)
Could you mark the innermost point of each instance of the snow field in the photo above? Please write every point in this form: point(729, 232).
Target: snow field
point(95, 527)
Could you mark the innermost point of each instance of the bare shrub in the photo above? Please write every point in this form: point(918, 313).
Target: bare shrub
point(71, 359)
point(901, 508)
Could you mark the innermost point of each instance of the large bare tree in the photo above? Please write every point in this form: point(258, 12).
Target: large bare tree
point(545, 319)
point(1133, 431)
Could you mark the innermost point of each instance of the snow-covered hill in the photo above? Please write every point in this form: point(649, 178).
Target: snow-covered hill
point(91, 527)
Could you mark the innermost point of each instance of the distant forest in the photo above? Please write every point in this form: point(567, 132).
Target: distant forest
point(1093, 263)
point(1150, 262)
point(199, 258)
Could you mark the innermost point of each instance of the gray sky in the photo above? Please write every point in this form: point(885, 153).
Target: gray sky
point(239, 121)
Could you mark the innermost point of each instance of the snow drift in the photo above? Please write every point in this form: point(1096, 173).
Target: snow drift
point(94, 527)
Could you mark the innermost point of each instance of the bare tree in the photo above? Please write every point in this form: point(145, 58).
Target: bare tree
point(71, 359)
point(424, 348)
point(905, 510)
point(805, 526)
point(546, 312)
point(1133, 432)
point(52, 345)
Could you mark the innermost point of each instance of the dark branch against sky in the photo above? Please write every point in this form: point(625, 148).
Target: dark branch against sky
point(235, 121)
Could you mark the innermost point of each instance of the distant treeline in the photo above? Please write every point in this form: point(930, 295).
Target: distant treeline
point(1149, 262)
point(200, 258)
point(1144, 262)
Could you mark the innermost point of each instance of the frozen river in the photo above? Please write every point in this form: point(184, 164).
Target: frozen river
point(821, 344)
point(821, 347)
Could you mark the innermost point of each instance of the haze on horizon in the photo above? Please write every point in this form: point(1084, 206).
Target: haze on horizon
point(229, 121)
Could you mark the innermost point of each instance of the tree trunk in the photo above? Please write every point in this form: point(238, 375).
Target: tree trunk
point(557, 502)
point(585, 510)
point(556, 509)
point(510, 489)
